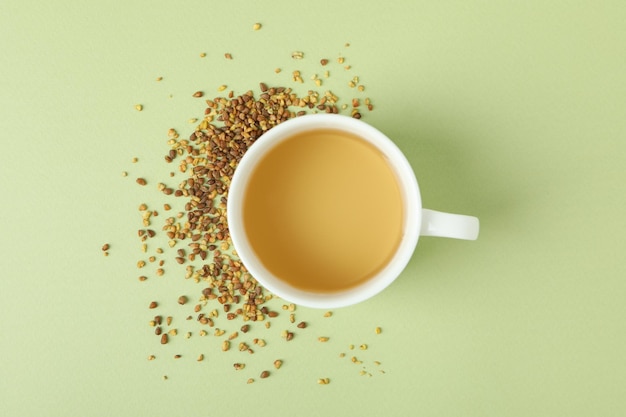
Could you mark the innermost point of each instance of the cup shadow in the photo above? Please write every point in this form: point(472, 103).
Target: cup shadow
point(458, 172)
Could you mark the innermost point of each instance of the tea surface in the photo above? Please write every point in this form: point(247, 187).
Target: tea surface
point(323, 211)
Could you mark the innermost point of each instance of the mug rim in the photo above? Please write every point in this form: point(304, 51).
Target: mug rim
point(406, 179)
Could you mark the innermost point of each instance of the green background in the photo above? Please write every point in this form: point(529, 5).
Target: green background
point(511, 111)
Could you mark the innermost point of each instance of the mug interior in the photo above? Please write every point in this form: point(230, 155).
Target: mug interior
point(411, 206)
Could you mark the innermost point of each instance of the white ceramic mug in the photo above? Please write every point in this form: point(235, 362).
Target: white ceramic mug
point(418, 221)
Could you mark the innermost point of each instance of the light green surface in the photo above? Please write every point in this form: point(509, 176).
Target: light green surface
point(511, 111)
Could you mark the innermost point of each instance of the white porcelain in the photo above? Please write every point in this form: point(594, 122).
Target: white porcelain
point(418, 221)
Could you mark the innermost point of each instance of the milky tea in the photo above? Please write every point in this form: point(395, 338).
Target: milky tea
point(323, 211)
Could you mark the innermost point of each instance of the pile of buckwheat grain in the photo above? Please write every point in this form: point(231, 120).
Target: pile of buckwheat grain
point(198, 236)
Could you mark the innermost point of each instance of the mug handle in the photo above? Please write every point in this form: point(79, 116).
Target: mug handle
point(457, 226)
